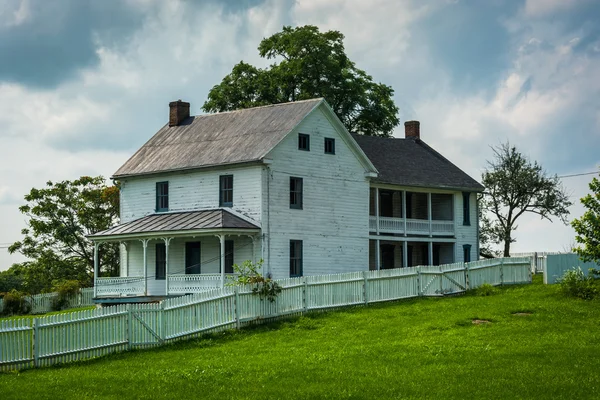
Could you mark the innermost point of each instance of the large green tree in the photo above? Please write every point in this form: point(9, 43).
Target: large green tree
point(60, 216)
point(587, 227)
point(514, 186)
point(309, 64)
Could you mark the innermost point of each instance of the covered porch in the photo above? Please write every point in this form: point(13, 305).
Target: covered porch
point(172, 254)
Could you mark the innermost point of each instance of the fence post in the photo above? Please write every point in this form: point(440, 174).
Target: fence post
point(129, 328)
point(419, 281)
point(441, 280)
point(237, 306)
point(36, 343)
point(304, 295)
point(366, 287)
point(467, 283)
point(502, 271)
point(163, 322)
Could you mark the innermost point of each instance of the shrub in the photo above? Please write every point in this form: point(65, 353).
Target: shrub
point(65, 291)
point(265, 288)
point(575, 284)
point(486, 290)
point(15, 303)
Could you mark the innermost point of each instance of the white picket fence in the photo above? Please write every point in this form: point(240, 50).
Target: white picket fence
point(80, 335)
point(42, 303)
point(538, 259)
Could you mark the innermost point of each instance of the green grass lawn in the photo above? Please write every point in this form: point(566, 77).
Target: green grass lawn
point(421, 348)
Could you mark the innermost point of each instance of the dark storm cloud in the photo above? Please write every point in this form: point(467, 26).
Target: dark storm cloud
point(470, 41)
point(57, 39)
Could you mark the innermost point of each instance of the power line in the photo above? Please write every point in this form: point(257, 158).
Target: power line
point(583, 173)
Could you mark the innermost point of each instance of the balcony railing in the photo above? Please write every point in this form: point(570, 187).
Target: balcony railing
point(413, 226)
point(195, 283)
point(120, 286)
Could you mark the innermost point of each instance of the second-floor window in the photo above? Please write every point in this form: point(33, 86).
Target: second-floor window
point(329, 145)
point(295, 192)
point(303, 142)
point(226, 191)
point(466, 208)
point(162, 196)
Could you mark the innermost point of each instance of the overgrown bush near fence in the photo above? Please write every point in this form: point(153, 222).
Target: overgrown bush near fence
point(43, 303)
point(75, 336)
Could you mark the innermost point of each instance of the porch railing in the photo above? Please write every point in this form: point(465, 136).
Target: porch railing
point(123, 286)
point(195, 283)
point(413, 226)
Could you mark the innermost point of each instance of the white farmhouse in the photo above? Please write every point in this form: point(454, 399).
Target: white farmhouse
point(287, 184)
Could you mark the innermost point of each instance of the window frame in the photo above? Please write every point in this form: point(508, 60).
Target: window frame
point(160, 261)
point(296, 196)
point(306, 138)
point(296, 258)
point(332, 143)
point(467, 253)
point(162, 196)
point(466, 208)
point(225, 190)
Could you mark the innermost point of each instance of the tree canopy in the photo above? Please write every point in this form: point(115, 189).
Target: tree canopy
point(587, 227)
point(60, 216)
point(309, 64)
point(514, 186)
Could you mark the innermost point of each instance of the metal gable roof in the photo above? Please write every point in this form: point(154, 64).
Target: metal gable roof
point(178, 221)
point(410, 162)
point(216, 139)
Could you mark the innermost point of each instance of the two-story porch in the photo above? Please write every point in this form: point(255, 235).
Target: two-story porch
point(410, 227)
point(175, 253)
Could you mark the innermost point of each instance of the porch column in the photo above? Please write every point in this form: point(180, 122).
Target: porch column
point(167, 242)
point(377, 215)
point(222, 240)
point(405, 253)
point(429, 213)
point(430, 249)
point(377, 254)
point(404, 214)
point(145, 246)
point(96, 269)
point(125, 268)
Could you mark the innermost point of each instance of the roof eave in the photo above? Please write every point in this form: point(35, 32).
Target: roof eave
point(178, 233)
point(201, 167)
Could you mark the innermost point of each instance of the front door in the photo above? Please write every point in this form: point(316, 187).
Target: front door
point(192, 257)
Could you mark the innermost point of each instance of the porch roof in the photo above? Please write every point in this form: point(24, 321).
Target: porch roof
point(186, 222)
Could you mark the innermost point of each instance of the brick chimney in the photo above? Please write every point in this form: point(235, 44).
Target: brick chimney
point(412, 130)
point(178, 112)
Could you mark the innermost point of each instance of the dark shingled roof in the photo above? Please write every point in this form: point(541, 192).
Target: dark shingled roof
point(179, 221)
point(411, 162)
point(216, 139)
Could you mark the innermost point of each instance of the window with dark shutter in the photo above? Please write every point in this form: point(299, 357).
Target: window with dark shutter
point(226, 191)
point(466, 209)
point(329, 145)
point(161, 261)
point(303, 142)
point(295, 258)
point(295, 193)
point(162, 196)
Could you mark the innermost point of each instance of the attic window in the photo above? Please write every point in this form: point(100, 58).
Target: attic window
point(303, 142)
point(329, 145)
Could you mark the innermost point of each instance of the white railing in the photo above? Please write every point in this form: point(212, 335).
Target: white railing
point(195, 283)
point(91, 333)
point(120, 286)
point(413, 226)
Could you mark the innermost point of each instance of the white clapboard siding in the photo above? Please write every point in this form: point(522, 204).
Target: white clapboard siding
point(334, 221)
point(192, 190)
point(85, 334)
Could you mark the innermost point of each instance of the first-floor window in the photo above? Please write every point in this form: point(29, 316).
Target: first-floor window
point(229, 256)
point(161, 261)
point(295, 258)
point(467, 253)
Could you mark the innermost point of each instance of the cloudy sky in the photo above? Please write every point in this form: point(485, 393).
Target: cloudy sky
point(84, 83)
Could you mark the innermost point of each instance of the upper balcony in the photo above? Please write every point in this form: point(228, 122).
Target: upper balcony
point(411, 213)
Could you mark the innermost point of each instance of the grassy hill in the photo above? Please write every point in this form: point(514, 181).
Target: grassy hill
point(521, 342)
